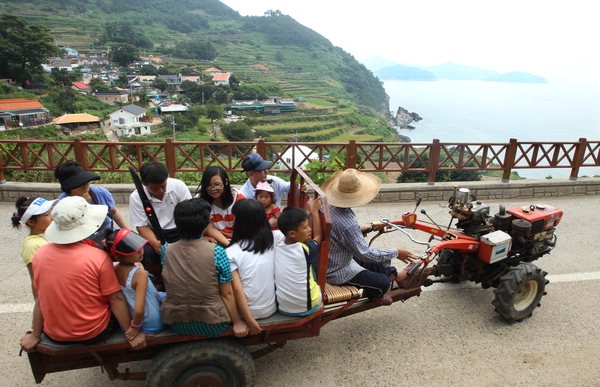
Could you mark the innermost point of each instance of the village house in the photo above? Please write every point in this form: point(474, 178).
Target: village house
point(22, 113)
point(80, 86)
point(112, 97)
point(81, 121)
point(211, 71)
point(221, 79)
point(172, 80)
point(130, 120)
point(68, 64)
point(272, 105)
point(151, 58)
point(197, 79)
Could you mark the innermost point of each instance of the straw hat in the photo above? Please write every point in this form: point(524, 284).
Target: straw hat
point(74, 219)
point(351, 188)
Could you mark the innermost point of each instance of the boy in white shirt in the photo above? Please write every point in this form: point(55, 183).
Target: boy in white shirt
point(297, 291)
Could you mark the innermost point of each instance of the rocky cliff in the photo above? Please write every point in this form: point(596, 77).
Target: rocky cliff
point(404, 118)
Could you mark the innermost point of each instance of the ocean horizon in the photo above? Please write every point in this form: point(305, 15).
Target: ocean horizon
point(478, 111)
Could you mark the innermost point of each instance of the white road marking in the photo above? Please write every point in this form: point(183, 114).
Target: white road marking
point(555, 278)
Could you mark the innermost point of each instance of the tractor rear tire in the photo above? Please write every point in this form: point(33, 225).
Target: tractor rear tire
point(220, 362)
point(519, 292)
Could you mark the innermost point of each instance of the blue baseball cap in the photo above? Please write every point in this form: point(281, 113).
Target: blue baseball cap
point(253, 162)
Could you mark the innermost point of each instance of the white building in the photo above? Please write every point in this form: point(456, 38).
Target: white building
point(130, 120)
point(296, 155)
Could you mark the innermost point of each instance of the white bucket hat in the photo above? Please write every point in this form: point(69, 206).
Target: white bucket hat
point(351, 188)
point(74, 219)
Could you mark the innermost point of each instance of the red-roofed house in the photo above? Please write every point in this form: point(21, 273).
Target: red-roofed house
point(81, 86)
point(154, 59)
point(20, 112)
point(221, 79)
point(211, 71)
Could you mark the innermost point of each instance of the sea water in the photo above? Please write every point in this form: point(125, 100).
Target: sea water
point(476, 111)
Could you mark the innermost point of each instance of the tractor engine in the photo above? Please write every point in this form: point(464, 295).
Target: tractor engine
point(519, 234)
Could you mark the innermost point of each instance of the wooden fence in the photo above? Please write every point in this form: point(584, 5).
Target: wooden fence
point(184, 156)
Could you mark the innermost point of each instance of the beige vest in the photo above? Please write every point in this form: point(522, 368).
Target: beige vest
point(192, 285)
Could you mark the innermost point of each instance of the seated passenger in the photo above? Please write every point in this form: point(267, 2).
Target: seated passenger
point(164, 193)
point(199, 300)
point(251, 254)
point(297, 291)
point(75, 181)
point(142, 298)
point(76, 283)
point(35, 214)
point(351, 260)
point(216, 189)
point(265, 194)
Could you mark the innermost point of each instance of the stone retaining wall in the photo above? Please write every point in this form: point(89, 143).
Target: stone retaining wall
point(483, 190)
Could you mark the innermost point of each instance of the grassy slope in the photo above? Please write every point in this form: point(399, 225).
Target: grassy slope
point(305, 68)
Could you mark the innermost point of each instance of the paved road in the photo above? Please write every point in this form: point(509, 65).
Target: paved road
point(448, 336)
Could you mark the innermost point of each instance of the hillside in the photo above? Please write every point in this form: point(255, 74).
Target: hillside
point(517, 77)
point(405, 73)
point(267, 49)
point(450, 70)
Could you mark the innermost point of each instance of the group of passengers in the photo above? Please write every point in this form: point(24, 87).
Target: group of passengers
point(229, 257)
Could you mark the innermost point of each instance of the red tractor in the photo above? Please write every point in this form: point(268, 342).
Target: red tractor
point(496, 251)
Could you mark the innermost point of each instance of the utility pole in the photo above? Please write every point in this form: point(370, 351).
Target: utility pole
point(173, 123)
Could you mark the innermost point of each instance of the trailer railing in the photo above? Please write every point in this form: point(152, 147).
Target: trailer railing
point(187, 156)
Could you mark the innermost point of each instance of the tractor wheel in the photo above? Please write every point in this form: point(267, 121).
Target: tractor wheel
point(203, 363)
point(519, 292)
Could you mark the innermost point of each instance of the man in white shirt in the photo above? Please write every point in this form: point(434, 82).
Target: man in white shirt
point(164, 193)
point(256, 170)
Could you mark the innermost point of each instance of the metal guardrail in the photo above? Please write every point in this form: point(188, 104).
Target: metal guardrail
point(186, 156)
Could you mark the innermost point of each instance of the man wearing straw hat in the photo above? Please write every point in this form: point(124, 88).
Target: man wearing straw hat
point(351, 260)
point(78, 291)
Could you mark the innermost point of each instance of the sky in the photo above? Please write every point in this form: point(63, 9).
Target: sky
point(556, 39)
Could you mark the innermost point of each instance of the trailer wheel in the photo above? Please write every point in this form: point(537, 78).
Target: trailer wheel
point(519, 292)
point(203, 363)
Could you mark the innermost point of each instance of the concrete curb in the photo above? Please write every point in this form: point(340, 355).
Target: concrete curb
point(483, 190)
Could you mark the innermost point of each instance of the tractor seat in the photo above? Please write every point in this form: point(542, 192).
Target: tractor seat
point(334, 293)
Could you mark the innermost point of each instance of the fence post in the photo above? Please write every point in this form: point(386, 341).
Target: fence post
point(2, 177)
point(578, 158)
point(170, 159)
point(261, 148)
point(81, 153)
point(434, 159)
point(351, 154)
point(509, 159)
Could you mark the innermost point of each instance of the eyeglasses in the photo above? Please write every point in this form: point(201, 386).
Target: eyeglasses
point(214, 187)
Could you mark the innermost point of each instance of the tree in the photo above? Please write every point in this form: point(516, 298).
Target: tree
point(160, 84)
point(63, 77)
point(196, 49)
point(237, 131)
point(214, 112)
point(413, 177)
point(143, 98)
point(123, 54)
point(98, 84)
point(64, 98)
point(23, 48)
point(123, 32)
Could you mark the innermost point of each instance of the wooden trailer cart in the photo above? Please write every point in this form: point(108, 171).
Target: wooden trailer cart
point(222, 361)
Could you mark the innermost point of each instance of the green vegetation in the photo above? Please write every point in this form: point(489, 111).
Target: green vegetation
point(23, 48)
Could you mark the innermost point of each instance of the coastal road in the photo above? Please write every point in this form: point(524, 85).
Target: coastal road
point(449, 335)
